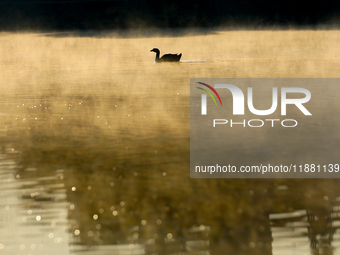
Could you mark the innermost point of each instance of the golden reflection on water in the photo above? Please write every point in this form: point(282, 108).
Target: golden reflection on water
point(97, 116)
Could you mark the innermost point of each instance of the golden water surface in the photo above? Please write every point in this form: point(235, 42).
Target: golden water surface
point(95, 147)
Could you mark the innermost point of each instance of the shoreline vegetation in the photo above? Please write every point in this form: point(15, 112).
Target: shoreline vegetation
point(62, 15)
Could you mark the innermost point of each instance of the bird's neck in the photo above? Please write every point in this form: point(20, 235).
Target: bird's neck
point(157, 55)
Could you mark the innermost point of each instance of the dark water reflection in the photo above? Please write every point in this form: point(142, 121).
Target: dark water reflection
point(105, 170)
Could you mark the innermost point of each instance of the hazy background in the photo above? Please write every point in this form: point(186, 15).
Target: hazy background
point(94, 135)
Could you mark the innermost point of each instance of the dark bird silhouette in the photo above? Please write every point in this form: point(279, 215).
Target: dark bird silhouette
point(166, 57)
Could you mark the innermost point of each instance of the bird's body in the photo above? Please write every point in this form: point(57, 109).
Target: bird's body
point(166, 57)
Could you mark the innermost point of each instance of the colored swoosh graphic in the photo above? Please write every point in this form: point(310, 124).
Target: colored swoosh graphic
point(208, 93)
point(212, 90)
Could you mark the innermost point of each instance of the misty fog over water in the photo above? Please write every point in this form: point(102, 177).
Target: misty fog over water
point(95, 146)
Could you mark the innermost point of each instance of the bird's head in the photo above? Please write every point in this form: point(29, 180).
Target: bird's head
point(155, 50)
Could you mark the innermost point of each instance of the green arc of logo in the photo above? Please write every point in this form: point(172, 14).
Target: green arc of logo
point(208, 93)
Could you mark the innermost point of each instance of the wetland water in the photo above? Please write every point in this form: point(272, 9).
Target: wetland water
point(95, 147)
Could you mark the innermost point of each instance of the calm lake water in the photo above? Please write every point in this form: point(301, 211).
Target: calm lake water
point(95, 147)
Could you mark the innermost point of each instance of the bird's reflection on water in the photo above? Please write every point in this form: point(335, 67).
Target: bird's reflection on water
point(104, 168)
